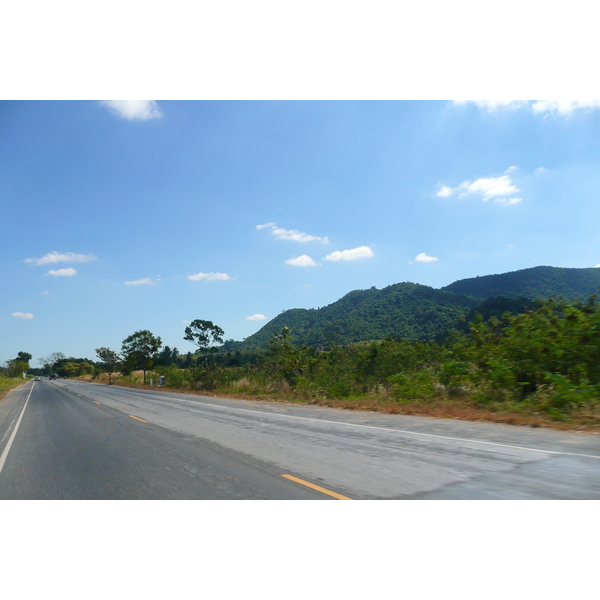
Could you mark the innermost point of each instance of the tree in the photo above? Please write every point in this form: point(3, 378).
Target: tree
point(284, 358)
point(14, 368)
point(205, 334)
point(24, 357)
point(142, 348)
point(48, 363)
point(110, 360)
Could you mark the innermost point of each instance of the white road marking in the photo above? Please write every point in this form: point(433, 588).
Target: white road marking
point(14, 433)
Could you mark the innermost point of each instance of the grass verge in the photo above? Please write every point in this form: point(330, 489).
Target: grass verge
point(7, 384)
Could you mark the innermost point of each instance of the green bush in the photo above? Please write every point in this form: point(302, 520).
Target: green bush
point(415, 386)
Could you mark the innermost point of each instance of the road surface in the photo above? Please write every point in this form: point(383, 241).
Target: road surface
point(74, 440)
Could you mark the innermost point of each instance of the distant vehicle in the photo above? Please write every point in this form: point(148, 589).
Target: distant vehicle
point(38, 378)
point(55, 376)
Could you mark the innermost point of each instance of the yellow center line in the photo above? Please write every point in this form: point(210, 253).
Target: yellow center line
point(142, 420)
point(316, 487)
point(96, 401)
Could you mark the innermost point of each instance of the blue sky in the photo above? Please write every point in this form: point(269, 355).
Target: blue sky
point(145, 215)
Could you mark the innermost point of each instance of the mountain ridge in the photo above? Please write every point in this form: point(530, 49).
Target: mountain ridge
point(418, 312)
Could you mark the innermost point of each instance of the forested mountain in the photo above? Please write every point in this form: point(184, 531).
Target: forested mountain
point(419, 312)
point(407, 310)
point(536, 282)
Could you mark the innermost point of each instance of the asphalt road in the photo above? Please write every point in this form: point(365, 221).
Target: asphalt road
point(74, 440)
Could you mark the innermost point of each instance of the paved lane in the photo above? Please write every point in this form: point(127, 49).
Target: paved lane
point(68, 447)
point(358, 455)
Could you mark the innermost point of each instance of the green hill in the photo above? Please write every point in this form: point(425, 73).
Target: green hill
point(406, 310)
point(419, 312)
point(536, 282)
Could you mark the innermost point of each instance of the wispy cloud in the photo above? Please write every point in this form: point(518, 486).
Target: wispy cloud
point(292, 235)
point(20, 315)
point(210, 277)
point(140, 110)
point(57, 257)
point(301, 261)
point(144, 281)
point(563, 107)
point(498, 188)
point(354, 254)
point(425, 258)
point(508, 201)
point(558, 107)
point(256, 318)
point(68, 272)
point(492, 105)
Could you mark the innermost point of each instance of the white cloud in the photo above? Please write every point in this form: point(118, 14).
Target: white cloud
point(560, 107)
point(69, 272)
point(511, 169)
point(141, 110)
point(256, 318)
point(209, 277)
point(296, 236)
point(354, 254)
point(492, 105)
point(444, 191)
point(425, 258)
point(186, 322)
point(45, 293)
point(508, 200)
point(540, 170)
point(21, 315)
point(145, 281)
point(563, 107)
point(597, 267)
point(292, 235)
point(488, 187)
point(56, 257)
point(301, 261)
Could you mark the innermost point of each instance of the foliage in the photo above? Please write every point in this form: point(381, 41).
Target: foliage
point(50, 362)
point(8, 383)
point(205, 334)
point(140, 349)
point(555, 348)
point(110, 360)
point(167, 357)
point(283, 359)
point(24, 357)
point(536, 282)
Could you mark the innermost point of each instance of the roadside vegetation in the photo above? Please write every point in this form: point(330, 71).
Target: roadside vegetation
point(9, 383)
point(11, 373)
